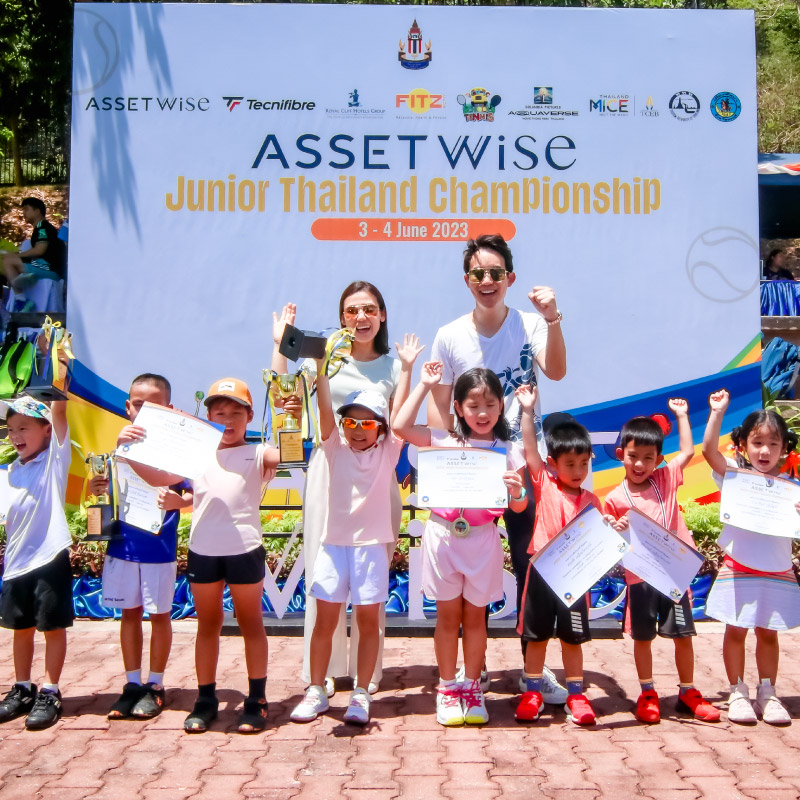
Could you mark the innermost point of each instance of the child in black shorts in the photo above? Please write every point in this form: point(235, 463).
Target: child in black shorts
point(37, 577)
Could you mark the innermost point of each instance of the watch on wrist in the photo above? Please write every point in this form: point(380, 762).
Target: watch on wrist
point(559, 316)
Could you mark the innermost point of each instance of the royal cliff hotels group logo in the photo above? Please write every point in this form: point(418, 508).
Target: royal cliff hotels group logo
point(413, 54)
point(356, 108)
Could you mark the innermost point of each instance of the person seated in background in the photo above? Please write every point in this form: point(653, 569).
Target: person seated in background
point(44, 260)
point(775, 267)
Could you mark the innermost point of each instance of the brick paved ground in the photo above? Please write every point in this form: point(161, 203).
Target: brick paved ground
point(403, 753)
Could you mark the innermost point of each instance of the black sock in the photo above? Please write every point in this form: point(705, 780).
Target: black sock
point(207, 691)
point(258, 688)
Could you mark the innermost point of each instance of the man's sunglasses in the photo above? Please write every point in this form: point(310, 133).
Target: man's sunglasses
point(495, 273)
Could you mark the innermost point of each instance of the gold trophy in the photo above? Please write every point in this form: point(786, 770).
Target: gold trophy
point(290, 436)
point(101, 517)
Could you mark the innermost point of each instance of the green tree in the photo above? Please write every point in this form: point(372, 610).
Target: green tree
point(35, 68)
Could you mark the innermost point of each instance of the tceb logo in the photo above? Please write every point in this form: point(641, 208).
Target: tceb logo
point(148, 104)
point(233, 102)
point(420, 101)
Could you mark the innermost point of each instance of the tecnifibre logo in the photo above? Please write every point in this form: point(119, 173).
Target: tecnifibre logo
point(253, 104)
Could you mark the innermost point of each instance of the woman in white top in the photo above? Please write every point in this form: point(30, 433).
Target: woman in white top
point(361, 308)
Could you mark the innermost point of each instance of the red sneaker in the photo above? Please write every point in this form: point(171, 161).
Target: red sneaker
point(530, 706)
point(579, 711)
point(692, 702)
point(647, 707)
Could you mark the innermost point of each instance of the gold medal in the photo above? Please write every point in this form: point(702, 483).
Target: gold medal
point(460, 527)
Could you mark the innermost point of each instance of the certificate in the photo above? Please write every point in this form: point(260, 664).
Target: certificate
point(582, 552)
point(659, 557)
point(175, 442)
point(138, 501)
point(760, 503)
point(461, 477)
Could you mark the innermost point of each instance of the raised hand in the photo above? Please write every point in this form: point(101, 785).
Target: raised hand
point(431, 373)
point(527, 396)
point(678, 406)
point(544, 301)
point(409, 350)
point(279, 323)
point(719, 400)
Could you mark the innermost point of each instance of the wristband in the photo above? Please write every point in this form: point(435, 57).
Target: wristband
point(559, 316)
point(522, 496)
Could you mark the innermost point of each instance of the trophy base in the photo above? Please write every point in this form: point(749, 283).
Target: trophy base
point(291, 450)
point(45, 393)
point(101, 525)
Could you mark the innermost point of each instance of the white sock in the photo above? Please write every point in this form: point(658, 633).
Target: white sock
point(156, 677)
point(134, 676)
point(26, 684)
point(448, 684)
point(50, 687)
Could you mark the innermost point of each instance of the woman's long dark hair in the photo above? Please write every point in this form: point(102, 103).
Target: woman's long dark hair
point(381, 341)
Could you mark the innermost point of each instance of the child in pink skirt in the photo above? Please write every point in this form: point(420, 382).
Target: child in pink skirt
point(462, 559)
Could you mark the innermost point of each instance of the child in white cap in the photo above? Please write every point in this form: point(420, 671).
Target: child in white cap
point(353, 558)
point(37, 578)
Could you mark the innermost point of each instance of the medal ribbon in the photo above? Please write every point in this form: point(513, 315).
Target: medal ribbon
point(658, 495)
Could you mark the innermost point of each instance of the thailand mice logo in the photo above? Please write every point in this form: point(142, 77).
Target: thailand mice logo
point(411, 55)
point(725, 106)
point(684, 105)
point(610, 105)
point(232, 102)
point(478, 106)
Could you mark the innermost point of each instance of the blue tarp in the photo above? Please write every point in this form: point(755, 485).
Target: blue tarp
point(779, 366)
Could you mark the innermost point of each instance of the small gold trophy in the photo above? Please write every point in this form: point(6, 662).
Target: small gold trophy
point(101, 517)
point(290, 436)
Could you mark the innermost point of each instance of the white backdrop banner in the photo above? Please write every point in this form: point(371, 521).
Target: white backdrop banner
point(227, 159)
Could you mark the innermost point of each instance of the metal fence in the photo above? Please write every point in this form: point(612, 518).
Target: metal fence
point(44, 158)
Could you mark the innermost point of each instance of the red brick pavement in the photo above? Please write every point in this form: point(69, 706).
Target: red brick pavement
point(403, 753)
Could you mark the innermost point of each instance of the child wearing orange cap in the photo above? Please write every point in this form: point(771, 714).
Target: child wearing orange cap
point(225, 547)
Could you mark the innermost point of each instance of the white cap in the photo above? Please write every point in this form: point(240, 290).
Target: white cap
point(366, 398)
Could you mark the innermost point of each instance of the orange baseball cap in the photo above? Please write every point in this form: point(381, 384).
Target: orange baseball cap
point(233, 389)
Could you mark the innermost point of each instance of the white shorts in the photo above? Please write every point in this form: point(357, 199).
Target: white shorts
point(361, 570)
point(130, 584)
point(453, 566)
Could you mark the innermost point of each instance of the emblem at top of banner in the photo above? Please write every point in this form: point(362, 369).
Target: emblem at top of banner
point(413, 54)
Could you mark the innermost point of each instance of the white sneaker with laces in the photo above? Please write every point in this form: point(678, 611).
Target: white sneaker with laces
point(475, 712)
point(449, 710)
point(311, 706)
point(552, 691)
point(772, 710)
point(372, 688)
point(739, 708)
point(358, 708)
point(486, 681)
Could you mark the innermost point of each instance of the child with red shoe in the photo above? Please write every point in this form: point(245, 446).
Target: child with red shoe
point(559, 499)
point(654, 492)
